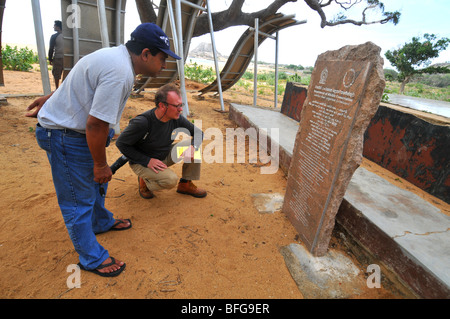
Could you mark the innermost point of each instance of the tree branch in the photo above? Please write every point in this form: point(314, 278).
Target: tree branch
point(358, 23)
point(315, 5)
point(326, 4)
point(347, 4)
point(234, 16)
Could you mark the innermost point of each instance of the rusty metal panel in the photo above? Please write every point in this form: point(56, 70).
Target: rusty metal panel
point(411, 148)
point(294, 97)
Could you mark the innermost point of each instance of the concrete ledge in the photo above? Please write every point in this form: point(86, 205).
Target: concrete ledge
point(405, 232)
point(409, 235)
point(259, 117)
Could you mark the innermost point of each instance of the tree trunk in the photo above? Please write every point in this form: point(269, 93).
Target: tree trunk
point(402, 86)
point(146, 11)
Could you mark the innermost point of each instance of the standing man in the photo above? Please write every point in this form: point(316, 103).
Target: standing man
point(56, 52)
point(148, 144)
point(74, 130)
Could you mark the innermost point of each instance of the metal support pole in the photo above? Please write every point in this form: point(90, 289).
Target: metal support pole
point(173, 26)
point(40, 46)
point(181, 55)
point(255, 83)
point(76, 42)
point(180, 50)
point(193, 5)
point(118, 21)
point(166, 16)
point(216, 63)
point(276, 71)
point(103, 23)
point(263, 33)
point(255, 68)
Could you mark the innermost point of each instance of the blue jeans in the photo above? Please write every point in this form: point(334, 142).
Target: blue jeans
point(82, 206)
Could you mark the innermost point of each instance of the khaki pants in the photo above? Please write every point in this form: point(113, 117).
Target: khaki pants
point(57, 68)
point(167, 178)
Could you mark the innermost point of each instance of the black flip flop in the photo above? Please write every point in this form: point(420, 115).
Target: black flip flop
point(118, 222)
point(110, 274)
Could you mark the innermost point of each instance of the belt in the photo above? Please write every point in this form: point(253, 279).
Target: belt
point(65, 131)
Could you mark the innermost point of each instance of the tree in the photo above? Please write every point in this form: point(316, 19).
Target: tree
point(415, 54)
point(233, 16)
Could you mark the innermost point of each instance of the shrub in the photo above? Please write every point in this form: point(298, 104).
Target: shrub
point(198, 73)
point(436, 80)
point(390, 75)
point(18, 59)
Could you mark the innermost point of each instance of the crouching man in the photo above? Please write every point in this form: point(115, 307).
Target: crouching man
point(148, 143)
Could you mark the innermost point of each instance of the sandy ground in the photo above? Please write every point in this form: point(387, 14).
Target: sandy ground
point(179, 247)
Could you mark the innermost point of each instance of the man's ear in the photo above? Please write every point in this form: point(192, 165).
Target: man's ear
point(162, 105)
point(145, 54)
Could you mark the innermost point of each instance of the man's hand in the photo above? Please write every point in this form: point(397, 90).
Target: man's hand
point(102, 173)
point(37, 105)
point(156, 165)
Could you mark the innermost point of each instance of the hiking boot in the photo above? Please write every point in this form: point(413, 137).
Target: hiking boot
point(143, 190)
point(189, 188)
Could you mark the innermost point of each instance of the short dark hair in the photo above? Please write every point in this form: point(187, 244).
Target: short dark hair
point(163, 91)
point(58, 24)
point(137, 48)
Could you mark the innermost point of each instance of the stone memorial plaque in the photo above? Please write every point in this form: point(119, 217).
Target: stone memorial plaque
point(328, 144)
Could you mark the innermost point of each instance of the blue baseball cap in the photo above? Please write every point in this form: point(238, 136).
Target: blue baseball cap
point(152, 36)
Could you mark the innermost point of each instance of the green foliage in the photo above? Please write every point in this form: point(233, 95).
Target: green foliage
point(199, 73)
point(295, 67)
point(18, 59)
point(247, 75)
point(436, 80)
point(415, 57)
point(269, 77)
point(390, 75)
point(416, 54)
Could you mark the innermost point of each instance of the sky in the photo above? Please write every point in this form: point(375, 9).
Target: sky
point(299, 45)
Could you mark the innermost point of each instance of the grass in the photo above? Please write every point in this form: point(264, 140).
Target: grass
point(420, 90)
point(266, 83)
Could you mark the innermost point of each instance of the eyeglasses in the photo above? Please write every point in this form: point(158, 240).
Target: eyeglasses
point(177, 106)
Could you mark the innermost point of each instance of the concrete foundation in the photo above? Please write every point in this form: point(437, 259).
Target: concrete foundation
point(332, 276)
